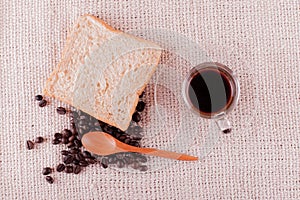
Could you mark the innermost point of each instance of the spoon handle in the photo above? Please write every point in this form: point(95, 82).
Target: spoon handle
point(156, 152)
point(167, 154)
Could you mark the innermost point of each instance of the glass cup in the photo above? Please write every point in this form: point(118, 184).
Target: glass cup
point(211, 90)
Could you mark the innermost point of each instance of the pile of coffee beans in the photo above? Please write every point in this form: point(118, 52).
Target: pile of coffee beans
point(75, 158)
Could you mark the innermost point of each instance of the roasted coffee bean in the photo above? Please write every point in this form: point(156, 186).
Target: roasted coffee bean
point(46, 171)
point(49, 179)
point(65, 140)
point(83, 163)
point(71, 145)
point(143, 168)
point(136, 117)
point(77, 169)
point(74, 151)
point(104, 165)
point(76, 162)
point(141, 95)
point(38, 97)
point(108, 129)
point(43, 103)
point(120, 163)
point(73, 129)
point(72, 138)
point(90, 160)
point(141, 159)
point(135, 165)
point(128, 160)
point(68, 159)
point(112, 160)
point(29, 144)
point(140, 106)
point(77, 143)
point(61, 110)
point(66, 133)
point(122, 138)
point(127, 140)
point(65, 152)
point(120, 155)
point(55, 141)
point(69, 169)
point(86, 154)
point(39, 140)
point(60, 167)
point(79, 156)
point(58, 135)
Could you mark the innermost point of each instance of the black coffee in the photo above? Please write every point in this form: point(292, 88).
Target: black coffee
point(209, 91)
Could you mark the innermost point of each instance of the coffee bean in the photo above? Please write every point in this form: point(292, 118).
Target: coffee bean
point(65, 152)
point(29, 144)
point(39, 140)
point(79, 156)
point(38, 97)
point(104, 165)
point(136, 117)
point(108, 129)
point(140, 106)
point(86, 154)
point(60, 167)
point(135, 165)
point(73, 129)
point(74, 151)
point(61, 110)
point(46, 171)
point(77, 169)
point(71, 145)
point(120, 163)
point(68, 159)
point(83, 163)
point(143, 168)
point(69, 169)
point(66, 133)
point(141, 95)
point(58, 135)
point(76, 162)
point(43, 103)
point(128, 160)
point(55, 141)
point(49, 179)
point(142, 159)
point(122, 138)
point(90, 161)
point(77, 143)
point(72, 138)
point(65, 140)
point(127, 140)
point(112, 160)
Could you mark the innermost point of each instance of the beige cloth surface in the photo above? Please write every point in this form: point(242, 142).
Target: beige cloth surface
point(260, 40)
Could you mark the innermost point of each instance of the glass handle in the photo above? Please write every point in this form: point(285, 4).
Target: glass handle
point(224, 124)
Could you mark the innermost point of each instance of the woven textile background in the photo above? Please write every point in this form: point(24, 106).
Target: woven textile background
point(259, 39)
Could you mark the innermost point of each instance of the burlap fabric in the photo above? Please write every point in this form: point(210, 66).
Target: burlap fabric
point(260, 40)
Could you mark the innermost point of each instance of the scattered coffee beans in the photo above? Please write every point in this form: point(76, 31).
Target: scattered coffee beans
point(38, 97)
point(49, 179)
point(29, 144)
point(68, 159)
point(66, 133)
point(60, 167)
point(61, 110)
point(46, 171)
point(65, 152)
point(39, 140)
point(43, 103)
point(58, 135)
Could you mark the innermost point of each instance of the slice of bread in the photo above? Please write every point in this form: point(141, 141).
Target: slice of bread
point(103, 71)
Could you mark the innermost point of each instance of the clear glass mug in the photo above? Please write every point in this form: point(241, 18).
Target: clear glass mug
point(211, 90)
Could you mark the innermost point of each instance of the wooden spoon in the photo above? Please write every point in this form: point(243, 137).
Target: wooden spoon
point(101, 143)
